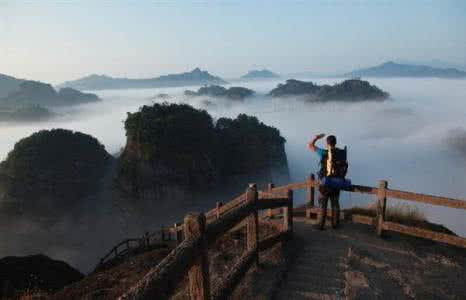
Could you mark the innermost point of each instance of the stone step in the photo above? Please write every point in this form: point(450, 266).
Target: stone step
point(314, 276)
point(315, 286)
point(318, 259)
point(313, 295)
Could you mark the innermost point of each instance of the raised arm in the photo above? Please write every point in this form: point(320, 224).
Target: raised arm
point(312, 144)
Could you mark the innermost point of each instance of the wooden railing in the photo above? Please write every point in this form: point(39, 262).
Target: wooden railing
point(201, 230)
point(166, 236)
point(382, 193)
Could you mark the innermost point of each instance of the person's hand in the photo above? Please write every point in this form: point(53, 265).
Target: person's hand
point(319, 136)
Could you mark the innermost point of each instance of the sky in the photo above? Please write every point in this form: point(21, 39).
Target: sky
point(54, 41)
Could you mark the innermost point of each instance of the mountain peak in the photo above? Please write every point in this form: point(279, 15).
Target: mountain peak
point(256, 74)
point(393, 69)
point(389, 63)
point(99, 82)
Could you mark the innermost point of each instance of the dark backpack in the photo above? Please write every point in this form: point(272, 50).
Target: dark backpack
point(339, 164)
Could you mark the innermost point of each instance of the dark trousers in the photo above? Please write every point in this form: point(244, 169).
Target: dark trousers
point(326, 193)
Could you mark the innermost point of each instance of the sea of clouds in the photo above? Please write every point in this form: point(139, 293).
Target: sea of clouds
point(416, 141)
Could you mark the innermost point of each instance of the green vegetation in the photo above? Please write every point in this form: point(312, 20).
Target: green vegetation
point(348, 90)
point(52, 169)
point(169, 144)
point(170, 131)
point(250, 145)
point(234, 93)
point(176, 144)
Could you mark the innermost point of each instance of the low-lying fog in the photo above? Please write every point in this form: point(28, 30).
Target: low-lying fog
point(416, 140)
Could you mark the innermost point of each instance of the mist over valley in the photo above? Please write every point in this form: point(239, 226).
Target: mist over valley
point(415, 140)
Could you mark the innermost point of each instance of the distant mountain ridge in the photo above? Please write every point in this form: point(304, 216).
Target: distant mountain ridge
point(260, 74)
point(28, 100)
point(392, 69)
point(101, 82)
point(8, 84)
point(30, 92)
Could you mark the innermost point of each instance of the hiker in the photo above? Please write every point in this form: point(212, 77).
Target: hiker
point(333, 168)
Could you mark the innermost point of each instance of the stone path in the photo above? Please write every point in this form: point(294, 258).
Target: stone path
point(317, 265)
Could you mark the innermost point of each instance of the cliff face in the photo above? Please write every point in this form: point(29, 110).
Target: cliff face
point(51, 171)
point(170, 149)
point(175, 149)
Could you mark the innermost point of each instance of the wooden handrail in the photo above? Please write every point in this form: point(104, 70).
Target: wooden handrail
point(392, 193)
point(227, 206)
point(224, 288)
point(190, 255)
point(228, 221)
point(429, 199)
point(160, 281)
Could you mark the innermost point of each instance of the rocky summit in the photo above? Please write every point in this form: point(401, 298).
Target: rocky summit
point(173, 148)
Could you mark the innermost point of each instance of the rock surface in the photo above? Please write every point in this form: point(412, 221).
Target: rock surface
point(352, 262)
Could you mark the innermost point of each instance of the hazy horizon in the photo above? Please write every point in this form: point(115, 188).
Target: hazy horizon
point(54, 41)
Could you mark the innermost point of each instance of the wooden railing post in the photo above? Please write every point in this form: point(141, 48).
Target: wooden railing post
point(199, 281)
point(218, 207)
point(252, 222)
point(270, 186)
point(381, 205)
point(288, 213)
point(311, 192)
point(310, 195)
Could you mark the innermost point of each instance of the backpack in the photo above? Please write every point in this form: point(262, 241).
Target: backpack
point(339, 164)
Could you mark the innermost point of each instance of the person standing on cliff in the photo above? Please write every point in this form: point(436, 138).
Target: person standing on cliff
point(333, 165)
